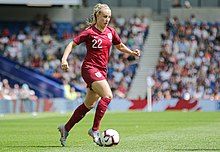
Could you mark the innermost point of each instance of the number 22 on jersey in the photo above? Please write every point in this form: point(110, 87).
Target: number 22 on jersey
point(97, 43)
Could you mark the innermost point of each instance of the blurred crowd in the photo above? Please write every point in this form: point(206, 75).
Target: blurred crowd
point(189, 65)
point(36, 46)
point(23, 97)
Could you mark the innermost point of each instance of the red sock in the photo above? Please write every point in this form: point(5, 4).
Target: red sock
point(78, 114)
point(100, 111)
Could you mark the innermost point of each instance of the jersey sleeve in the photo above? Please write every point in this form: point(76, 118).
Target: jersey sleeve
point(82, 37)
point(116, 39)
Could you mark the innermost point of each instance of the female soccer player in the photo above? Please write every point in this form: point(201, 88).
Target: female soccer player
point(98, 38)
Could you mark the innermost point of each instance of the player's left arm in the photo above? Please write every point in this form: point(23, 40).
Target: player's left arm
point(123, 48)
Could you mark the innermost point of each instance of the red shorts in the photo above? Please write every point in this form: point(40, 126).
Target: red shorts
point(92, 74)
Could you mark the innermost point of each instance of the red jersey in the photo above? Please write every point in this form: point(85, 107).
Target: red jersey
point(98, 45)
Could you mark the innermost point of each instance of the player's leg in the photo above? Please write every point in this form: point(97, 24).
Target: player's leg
point(79, 113)
point(91, 98)
point(90, 104)
point(103, 89)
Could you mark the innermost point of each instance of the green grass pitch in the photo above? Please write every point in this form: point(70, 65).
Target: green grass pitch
point(139, 131)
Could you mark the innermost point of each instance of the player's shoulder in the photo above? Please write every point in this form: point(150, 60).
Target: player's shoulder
point(88, 29)
point(110, 28)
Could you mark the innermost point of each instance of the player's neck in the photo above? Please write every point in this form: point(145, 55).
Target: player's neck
point(101, 29)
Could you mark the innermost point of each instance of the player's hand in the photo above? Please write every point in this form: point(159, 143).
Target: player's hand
point(136, 52)
point(64, 66)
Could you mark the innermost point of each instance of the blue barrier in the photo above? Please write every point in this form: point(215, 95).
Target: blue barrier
point(42, 85)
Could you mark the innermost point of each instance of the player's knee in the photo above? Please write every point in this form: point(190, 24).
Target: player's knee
point(109, 96)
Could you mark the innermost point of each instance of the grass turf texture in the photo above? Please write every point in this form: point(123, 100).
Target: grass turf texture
point(139, 131)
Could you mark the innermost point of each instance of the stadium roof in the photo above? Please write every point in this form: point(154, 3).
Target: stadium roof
point(41, 2)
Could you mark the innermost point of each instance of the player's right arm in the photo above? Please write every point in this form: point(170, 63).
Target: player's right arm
point(68, 49)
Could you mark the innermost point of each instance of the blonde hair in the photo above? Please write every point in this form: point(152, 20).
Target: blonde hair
point(97, 8)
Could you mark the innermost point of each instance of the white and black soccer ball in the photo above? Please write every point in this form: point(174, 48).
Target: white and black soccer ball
point(110, 137)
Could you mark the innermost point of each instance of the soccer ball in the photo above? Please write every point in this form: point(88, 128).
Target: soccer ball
point(110, 137)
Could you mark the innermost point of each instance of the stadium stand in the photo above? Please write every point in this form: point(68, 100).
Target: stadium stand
point(189, 60)
point(188, 65)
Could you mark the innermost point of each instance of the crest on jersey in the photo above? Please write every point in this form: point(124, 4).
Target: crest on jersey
point(98, 74)
point(110, 36)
